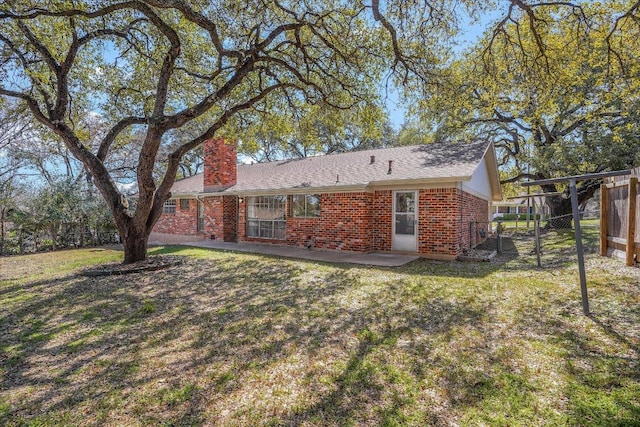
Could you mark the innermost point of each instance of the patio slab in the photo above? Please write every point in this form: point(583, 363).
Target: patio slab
point(375, 258)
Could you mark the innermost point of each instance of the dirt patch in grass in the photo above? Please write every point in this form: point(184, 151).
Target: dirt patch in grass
point(230, 339)
point(150, 264)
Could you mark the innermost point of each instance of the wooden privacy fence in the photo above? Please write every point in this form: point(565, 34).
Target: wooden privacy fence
point(620, 218)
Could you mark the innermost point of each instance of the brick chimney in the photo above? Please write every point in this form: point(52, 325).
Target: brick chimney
point(220, 169)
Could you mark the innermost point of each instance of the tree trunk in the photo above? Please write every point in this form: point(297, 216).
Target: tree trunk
point(2, 231)
point(135, 246)
point(560, 212)
point(560, 206)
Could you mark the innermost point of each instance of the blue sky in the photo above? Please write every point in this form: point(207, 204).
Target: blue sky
point(469, 35)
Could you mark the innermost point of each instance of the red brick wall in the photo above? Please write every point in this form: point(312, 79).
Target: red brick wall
point(183, 221)
point(382, 220)
point(220, 217)
point(345, 223)
point(213, 217)
point(439, 222)
point(220, 168)
point(443, 220)
point(229, 215)
point(474, 209)
point(349, 221)
point(242, 214)
point(303, 230)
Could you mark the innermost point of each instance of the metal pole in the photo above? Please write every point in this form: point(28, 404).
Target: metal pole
point(579, 248)
point(529, 206)
point(536, 228)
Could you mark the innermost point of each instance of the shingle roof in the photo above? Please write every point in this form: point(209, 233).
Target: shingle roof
point(451, 162)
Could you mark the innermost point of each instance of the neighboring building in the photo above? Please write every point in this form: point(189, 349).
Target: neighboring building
point(518, 206)
point(419, 199)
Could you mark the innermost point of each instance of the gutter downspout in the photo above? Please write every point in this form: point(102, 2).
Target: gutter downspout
point(237, 217)
point(198, 198)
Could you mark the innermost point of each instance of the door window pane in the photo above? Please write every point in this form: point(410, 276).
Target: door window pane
point(405, 202)
point(405, 224)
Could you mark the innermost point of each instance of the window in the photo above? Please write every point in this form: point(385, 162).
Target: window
point(184, 204)
point(305, 205)
point(265, 217)
point(169, 206)
point(200, 215)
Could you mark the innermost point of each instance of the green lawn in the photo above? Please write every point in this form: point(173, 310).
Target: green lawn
point(231, 339)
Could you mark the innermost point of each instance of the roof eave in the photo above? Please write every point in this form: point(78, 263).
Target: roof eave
point(288, 190)
point(419, 181)
point(494, 175)
point(370, 186)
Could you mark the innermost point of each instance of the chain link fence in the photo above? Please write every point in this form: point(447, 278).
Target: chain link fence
point(544, 237)
point(18, 241)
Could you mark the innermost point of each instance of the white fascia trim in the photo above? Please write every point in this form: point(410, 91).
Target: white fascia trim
point(185, 195)
point(475, 193)
point(287, 191)
point(420, 183)
point(369, 187)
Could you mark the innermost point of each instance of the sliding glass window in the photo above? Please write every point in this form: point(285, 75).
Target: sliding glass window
point(266, 217)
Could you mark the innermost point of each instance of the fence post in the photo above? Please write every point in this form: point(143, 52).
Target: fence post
point(536, 231)
point(536, 225)
point(631, 222)
point(604, 213)
point(579, 247)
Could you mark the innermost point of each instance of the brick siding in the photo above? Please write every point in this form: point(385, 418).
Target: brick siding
point(213, 217)
point(439, 222)
point(220, 164)
point(443, 220)
point(356, 221)
point(345, 223)
point(229, 216)
point(474, 209)
point(183, 221)
point(382, 220)
point(219, 216)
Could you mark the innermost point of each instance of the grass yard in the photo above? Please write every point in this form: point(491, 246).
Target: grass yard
point(229, 339)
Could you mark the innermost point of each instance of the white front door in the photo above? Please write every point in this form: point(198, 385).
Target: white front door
point(405, 221)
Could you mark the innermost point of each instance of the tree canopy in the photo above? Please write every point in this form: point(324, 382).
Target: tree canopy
point(132, 87)
point(164, 76)
point(555, 85)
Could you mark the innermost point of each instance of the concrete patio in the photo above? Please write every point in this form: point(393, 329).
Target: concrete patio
point(375, 259)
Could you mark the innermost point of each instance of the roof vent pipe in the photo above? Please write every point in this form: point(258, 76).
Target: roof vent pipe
point(390, 165)
point(373, 159)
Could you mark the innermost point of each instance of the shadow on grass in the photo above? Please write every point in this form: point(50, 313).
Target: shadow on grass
point(237, 339)
point(600, 353)
point(632, 342)
point(604, 386)
point(423, 267)
point(165, 347)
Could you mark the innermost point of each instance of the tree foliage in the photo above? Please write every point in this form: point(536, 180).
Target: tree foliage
point(317, 129)
point(156, 67)
point(556, 85)
point(65, 213)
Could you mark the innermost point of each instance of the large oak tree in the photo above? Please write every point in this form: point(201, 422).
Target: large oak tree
point(556, 85)
point(154, 68)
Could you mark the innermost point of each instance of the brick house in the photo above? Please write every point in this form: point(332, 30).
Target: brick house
point(417, 199)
